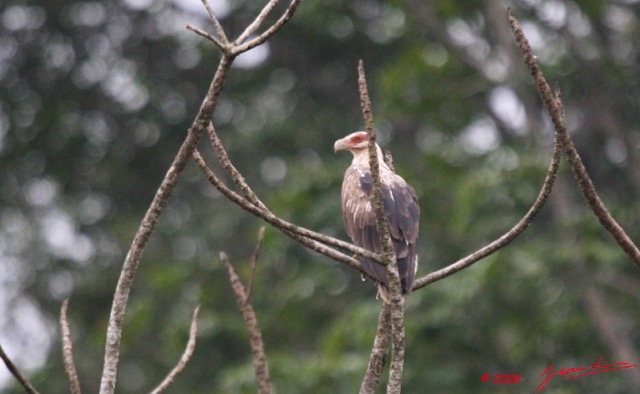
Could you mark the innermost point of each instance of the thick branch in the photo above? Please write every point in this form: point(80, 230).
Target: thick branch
point(577, 166)
point(379, 352)
point(67, 350)
point(388, 251)
point(184, 359)
point(130, 266)
point(251, 322)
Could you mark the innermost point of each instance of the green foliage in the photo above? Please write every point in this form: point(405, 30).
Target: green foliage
point(95, 98)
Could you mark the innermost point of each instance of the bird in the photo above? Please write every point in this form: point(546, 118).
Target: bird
point(401, 209)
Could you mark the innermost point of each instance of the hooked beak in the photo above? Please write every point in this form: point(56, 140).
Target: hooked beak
point(339, 145)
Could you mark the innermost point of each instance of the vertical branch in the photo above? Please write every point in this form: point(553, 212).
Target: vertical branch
point(379, 352)
point(24, 382)
point(67, 350)
point(251, 322)
point(577, 166)
point(395, 293)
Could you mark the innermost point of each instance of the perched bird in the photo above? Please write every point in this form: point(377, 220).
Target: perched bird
point(400, 205)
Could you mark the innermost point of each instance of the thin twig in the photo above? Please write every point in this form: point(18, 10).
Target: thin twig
point(186, 355)
point(260, 210)
point(305, 236)
point(251, 322)
point(379, 352)
point(208, 36)
point(67, 350)
point(255, 25)
point(269, 32)
point(24, 382)
point(216, 23)
point(254, 261)
point(299, 234)
point(388, 251)
point(577, 166)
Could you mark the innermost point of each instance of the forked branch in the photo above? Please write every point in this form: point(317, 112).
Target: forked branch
point(164, 192)
point(585, 184)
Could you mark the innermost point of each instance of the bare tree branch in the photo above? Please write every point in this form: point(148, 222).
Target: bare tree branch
point(208, 36)
point(216, 24)
point(510, 235)
point(186, 355)
point(251, 322)
point(231, 170)
point(130, 266)
point(396, 298)
point(379, 352)
point(577, 166)
point(198, 128)
point(253, 204)
point(254, 261)
point(255, 25)
point(269, 32)
point(24, 382)
point(67, 350)
point(297, 233)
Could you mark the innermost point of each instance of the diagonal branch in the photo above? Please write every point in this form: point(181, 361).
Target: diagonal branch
point(250, 197)
point(231, 170)
point(254, 261)
point(216, 24)
point(510, 235)
point(24, 382)
point(67, 350)
point(184, 359)
point(130, 266)
point(577, 166)
point(251, 322)
point(198, 128)
point(300, 234)
point(388, 251)
point(255, 25)
point(269, 32)
point(208, 36)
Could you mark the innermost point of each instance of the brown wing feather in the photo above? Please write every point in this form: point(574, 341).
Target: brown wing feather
point(403, 215)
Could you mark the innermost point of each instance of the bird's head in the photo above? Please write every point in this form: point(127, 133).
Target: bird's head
point(358, 141)
point(358, 144)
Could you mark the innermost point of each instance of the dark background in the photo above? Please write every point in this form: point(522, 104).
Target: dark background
point(96, 97)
